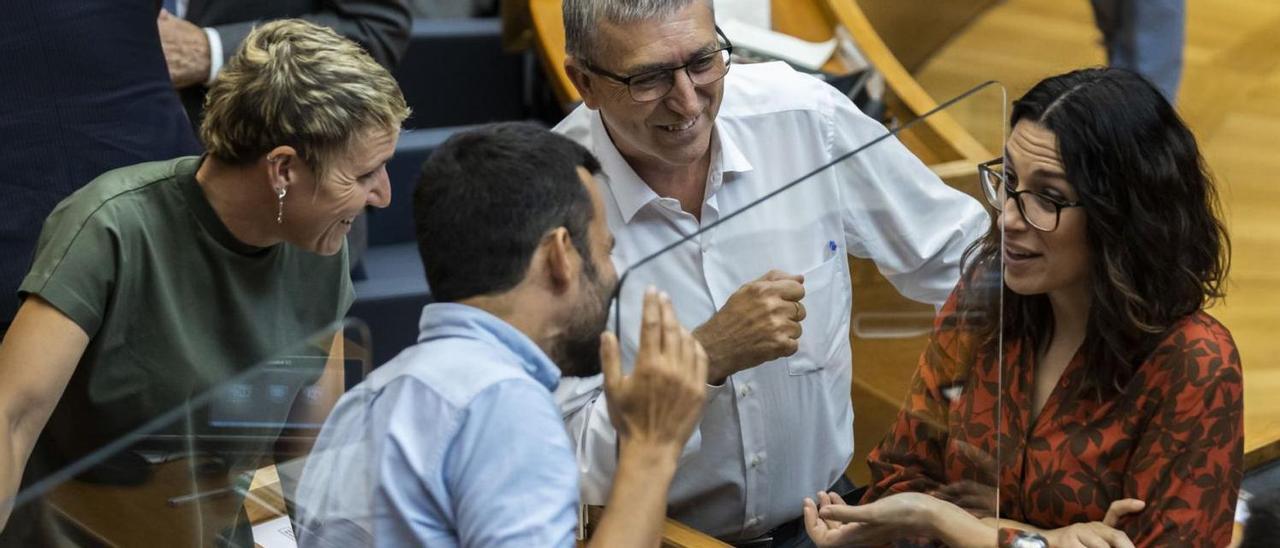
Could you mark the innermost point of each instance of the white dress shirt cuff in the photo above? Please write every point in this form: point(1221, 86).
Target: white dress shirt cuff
point(215, 54)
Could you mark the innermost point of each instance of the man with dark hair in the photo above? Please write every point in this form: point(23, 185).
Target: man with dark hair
point(457, 440)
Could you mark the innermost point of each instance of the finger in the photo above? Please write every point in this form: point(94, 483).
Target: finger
point(775, 275)
point(688, 351)
point(1105, 536)
point(801, 311)
point(610, 365)
point(789, 290)
point(833, 524)
point(812, 524)
point(789, 346)
point(1090, 541)
point(793, 330)
point(1118, 539)
point(670, 329)
point(651, 324)
point(1121, 508)
point(845, 513)
point(832, 498)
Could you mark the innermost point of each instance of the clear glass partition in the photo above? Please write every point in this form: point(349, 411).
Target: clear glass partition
point(220, 469)
point(880, 261)
point(243, 461)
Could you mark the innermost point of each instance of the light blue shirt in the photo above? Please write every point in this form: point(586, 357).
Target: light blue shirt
point(455, 442)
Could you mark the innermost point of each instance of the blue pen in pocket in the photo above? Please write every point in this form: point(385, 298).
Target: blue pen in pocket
point(829, 250)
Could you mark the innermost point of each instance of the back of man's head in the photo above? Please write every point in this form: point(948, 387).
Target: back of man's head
point(488, 196)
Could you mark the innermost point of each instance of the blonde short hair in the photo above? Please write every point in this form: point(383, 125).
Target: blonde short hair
point(298, 84)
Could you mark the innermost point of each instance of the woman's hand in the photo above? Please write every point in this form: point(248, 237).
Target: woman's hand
point(978, 498)
point(830, 522)
point(1097, 534)
point(1094, 534)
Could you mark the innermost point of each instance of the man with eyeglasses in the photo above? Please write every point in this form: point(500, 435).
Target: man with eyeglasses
point(685, 139)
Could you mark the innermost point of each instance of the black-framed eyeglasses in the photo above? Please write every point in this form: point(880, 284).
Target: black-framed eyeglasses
point(1040, 211)
point(652, 85)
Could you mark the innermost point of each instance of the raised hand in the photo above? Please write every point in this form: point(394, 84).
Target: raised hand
point(661, 400)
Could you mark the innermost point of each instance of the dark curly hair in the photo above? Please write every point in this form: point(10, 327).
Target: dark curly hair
point(1160, 252)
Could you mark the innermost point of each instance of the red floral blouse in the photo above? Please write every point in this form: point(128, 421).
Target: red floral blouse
point(1173, 438)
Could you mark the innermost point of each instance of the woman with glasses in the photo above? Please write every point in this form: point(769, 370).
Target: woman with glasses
point(1106, 408)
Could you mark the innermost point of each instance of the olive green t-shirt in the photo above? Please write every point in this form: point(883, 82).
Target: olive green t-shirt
point(172, 302)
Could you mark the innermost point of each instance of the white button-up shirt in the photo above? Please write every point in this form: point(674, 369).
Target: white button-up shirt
point(776, 433)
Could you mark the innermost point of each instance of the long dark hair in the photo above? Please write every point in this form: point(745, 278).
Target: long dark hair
point(1159, 251)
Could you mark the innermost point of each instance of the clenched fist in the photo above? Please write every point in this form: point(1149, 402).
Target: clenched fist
point(760, 322)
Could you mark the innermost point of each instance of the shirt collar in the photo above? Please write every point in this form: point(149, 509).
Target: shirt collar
point(454, 320)
point(631, 192)
point(184, 172)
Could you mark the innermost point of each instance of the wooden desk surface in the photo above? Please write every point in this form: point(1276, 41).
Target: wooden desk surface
point(142, 515)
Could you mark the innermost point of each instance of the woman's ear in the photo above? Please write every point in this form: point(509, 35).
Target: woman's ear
point(281, 163)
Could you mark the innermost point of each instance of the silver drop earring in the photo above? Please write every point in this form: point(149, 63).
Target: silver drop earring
point(280, 211)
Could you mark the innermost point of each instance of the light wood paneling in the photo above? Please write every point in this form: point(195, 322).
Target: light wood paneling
point(915, 29)
point(1231, 99)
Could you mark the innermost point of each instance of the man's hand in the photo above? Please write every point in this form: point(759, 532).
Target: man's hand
point(659, 403)
point(760, 322)
point(654, 410)
point(186, 50)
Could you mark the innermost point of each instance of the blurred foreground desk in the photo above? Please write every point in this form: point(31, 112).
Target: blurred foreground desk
point(143, 516)
point(674, 533)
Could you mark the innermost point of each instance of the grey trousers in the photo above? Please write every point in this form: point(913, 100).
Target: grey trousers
point(1145, 36)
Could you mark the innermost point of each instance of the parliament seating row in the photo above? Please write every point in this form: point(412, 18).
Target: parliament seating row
point(476, 82)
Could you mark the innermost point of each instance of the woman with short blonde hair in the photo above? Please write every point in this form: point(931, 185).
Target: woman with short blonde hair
point(160, 280)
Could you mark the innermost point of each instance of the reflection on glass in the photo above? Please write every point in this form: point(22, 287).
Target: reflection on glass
point(875, 240)
point(212, 470)
point(1122, 411)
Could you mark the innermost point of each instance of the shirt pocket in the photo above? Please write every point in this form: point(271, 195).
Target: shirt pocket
point(820, 337)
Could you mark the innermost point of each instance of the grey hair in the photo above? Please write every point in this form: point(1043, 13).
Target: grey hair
point(582, 16)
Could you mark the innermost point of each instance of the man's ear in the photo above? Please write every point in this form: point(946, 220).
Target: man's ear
point(560, 259)
point(282, 164)
point(582, 81)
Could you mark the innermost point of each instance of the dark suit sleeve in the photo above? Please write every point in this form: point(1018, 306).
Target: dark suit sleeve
point(380, 26)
